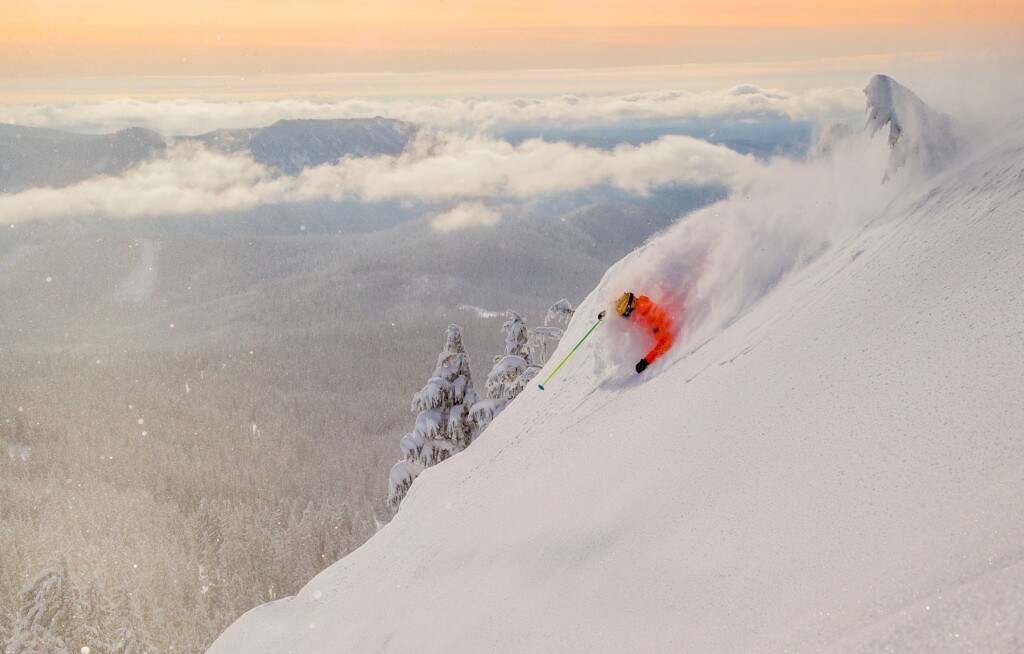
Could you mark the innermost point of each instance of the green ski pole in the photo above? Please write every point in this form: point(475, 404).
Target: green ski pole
point(600, 317)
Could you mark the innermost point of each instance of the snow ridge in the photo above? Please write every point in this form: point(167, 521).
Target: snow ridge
point(920, 136)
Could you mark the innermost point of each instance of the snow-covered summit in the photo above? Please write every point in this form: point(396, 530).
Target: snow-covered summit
point(922, 140)
point(919, 135)
point(291, 145)
point(829, 460)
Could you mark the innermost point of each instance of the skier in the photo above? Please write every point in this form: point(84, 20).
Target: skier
point(651, 317)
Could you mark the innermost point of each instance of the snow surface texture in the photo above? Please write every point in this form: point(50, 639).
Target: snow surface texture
point(829, 460)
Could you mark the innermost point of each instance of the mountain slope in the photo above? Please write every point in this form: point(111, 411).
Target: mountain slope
point(245, 342)
point(835, 465)
point(31, 156)
point(34, 157)
point(289, 146)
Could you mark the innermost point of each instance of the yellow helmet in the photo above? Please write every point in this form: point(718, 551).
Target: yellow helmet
point(625, 304)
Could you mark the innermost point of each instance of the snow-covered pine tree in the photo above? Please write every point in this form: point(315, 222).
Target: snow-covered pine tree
point(130, 640)
point(94, 610)
point(517, 336)
point(526, 351)
point(559, 312)
point(47, 613)
point(504, 374)
point(537, 346)
point(443, 426)
point(129, 637)
point(106, 624)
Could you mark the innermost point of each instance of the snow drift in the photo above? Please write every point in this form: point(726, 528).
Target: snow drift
point(830, 459)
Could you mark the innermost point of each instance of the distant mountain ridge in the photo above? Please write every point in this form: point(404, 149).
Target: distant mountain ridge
point(33, 157)
point(289, 146)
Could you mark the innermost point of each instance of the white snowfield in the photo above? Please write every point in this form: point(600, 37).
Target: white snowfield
point(830, 459)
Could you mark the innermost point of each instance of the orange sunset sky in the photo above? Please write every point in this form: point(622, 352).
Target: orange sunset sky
point(209, 37)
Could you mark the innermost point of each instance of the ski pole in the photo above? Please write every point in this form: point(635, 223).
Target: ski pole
point(600, 316)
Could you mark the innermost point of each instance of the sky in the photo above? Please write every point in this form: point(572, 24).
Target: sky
point(470, 73)
point(109, 38)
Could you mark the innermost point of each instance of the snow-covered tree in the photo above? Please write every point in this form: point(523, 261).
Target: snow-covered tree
point(516, 335)
point(130, 640)
point(504, 373)
point(131, 637)
point(537, 346)
point(443, 426)
point(526, 351)
point(47, 614)
point(121, 626)
point(560, 312)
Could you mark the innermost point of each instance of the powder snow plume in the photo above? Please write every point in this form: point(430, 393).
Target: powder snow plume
point(716, 263)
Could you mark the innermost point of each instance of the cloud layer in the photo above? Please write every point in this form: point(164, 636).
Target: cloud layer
point(467, 214)
point(460, 159)
point(436, 169)
point(189, 117)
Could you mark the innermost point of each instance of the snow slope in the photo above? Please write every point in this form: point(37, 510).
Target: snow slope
point(830, 460)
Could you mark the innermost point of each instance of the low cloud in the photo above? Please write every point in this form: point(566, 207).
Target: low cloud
point(467, 114)
point(436, 169)
point(467, 214)
point(189, 180)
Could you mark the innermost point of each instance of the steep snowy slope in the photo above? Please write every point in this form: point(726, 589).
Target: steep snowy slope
point(831, 458)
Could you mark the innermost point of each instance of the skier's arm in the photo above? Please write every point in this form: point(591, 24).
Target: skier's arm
point(661, 329)
point(663, 344)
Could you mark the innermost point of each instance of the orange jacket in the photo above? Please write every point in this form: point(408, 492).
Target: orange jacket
point(650, 316)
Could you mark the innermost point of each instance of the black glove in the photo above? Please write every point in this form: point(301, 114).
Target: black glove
point(641, 365)
point(600, 316)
